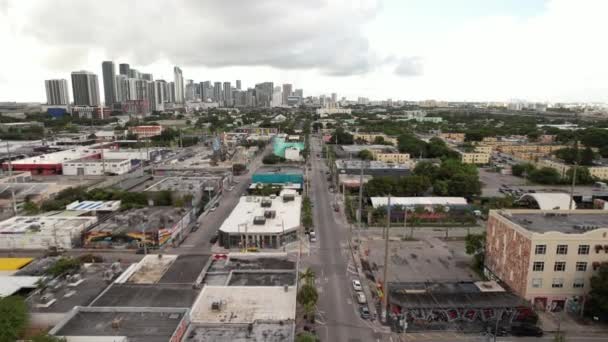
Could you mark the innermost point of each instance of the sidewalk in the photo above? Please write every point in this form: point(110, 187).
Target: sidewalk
point(552, 322)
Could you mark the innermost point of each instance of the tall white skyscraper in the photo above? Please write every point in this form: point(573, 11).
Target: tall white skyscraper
point(179, 85)
point(85, 88)
point(217, 92)
point(122, 88)
point(57, 92)
point(238, 84)
point(227, 94)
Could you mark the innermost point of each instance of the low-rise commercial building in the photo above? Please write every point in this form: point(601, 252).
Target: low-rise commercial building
point(42, 232)
point(52, 163)
point(278, 175)
point(372, 168)
point(547, 256)
point(146, 131)
point(263, 222)
point(96, 167)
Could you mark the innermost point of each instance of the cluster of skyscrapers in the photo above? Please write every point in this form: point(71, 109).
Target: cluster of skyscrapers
point(134, 92)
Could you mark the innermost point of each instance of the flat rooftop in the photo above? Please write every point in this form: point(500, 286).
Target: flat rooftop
point(359, 148)
point(261, 331)
point(242, 269)
point(280, 169)
point(183, 184)
point(155, 295)
point(137, 325)
point(97, 161)
point(130, 221)
point(451, 295)
point(244, 304)
point(67, 295)
point(34, 224)
point(170, 269)
point(24, 190)
point(59, 157)
point(567, 222)
point(371, 164)
point(249, 209)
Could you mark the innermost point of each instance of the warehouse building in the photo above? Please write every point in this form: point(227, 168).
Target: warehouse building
point(372, 168)
point(42, 232)
point(547, 256)
point(96, 167)
point(52, 163)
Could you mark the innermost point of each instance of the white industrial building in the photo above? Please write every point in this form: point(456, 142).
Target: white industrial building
point(42, 232)
point(133, 154)
point(96, 167)
point(265, 222)
point(293, 153)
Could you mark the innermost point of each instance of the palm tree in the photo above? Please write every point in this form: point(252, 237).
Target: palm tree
point(308, 276)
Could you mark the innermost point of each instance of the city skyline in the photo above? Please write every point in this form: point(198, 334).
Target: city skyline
point(410, 50)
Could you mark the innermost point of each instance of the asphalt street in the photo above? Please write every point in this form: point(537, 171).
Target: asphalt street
point(338, 318)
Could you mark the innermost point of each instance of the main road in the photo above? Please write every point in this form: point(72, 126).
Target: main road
point(338, 318)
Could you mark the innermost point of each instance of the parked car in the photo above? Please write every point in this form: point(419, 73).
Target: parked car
point(361, 297)
point(357, 285)
point(526, 330)
point(364, 312)
point(213, 240)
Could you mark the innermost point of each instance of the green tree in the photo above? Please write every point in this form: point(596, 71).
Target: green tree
point(64, 265)
point(545, 175)
point(427, 169)
point(308, 276)
point(306, 337)
point(379, 140)
point(365, 155)
point(522, 168)
point(598, 296)
point(587, 156)
point(582, 175)
point(343, 137)
point(475, 245)
point(13, 318)
point(30, 208)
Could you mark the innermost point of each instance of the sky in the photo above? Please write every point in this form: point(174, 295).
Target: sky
point(465, 50)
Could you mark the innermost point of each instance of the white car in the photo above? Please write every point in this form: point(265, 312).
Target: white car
point(357, 285)
point(361, 297)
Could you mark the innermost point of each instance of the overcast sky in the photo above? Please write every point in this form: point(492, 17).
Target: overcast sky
point(469, 50)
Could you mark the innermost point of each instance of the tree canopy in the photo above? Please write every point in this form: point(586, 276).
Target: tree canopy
point(365, 155)
point(598, 301)
point(13, 318)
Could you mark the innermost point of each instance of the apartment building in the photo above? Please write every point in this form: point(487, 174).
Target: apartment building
point(483, 149)
point(453, 137)
point(546, 149)
point(600, 172)
point(474, 157)
point(392, 158)
point(546, 256)
point(370, 138)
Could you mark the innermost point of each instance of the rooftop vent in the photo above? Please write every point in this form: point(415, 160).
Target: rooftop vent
point(216, 306)
point(266, 203)
point(270, 214)
point(259, 220)
point(288, 197)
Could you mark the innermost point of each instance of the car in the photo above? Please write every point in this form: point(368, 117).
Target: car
point(140, 251)
point(312, 238)
point(213, 239)
point(364, 312)
point(231, 188)
point(357, 285)
point(526, 330)
point(360, 297)
point(212, 209)
point(194, 228)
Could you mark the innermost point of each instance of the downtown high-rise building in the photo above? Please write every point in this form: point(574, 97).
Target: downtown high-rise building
point(227, 94)
point(159, 95)
point(109, 83)
point(238, 84)
point(217, 92)
point(171, 92)
point(57, 92)
point(134, 73)
point(299, 93)
point(263, 94)
point(146, 76)
point(287, 89)
point(190, 90)
point(206, 91)
point(179, 85)
point(123, 69)
point(122, 88)
point(85, 88)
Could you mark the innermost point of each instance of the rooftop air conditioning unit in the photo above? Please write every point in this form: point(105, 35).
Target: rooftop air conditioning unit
point(270, 214)
point(266, 203)
point(216, 306)
point(259, 220)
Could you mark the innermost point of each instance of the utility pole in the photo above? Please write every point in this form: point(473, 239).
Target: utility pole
point(405, 222)
point(576, 162)
point(360, 209)
point(386, 247)
point(10, 175)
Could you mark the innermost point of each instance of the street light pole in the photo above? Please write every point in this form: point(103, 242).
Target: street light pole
point(10, 175)
point(385, 276)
